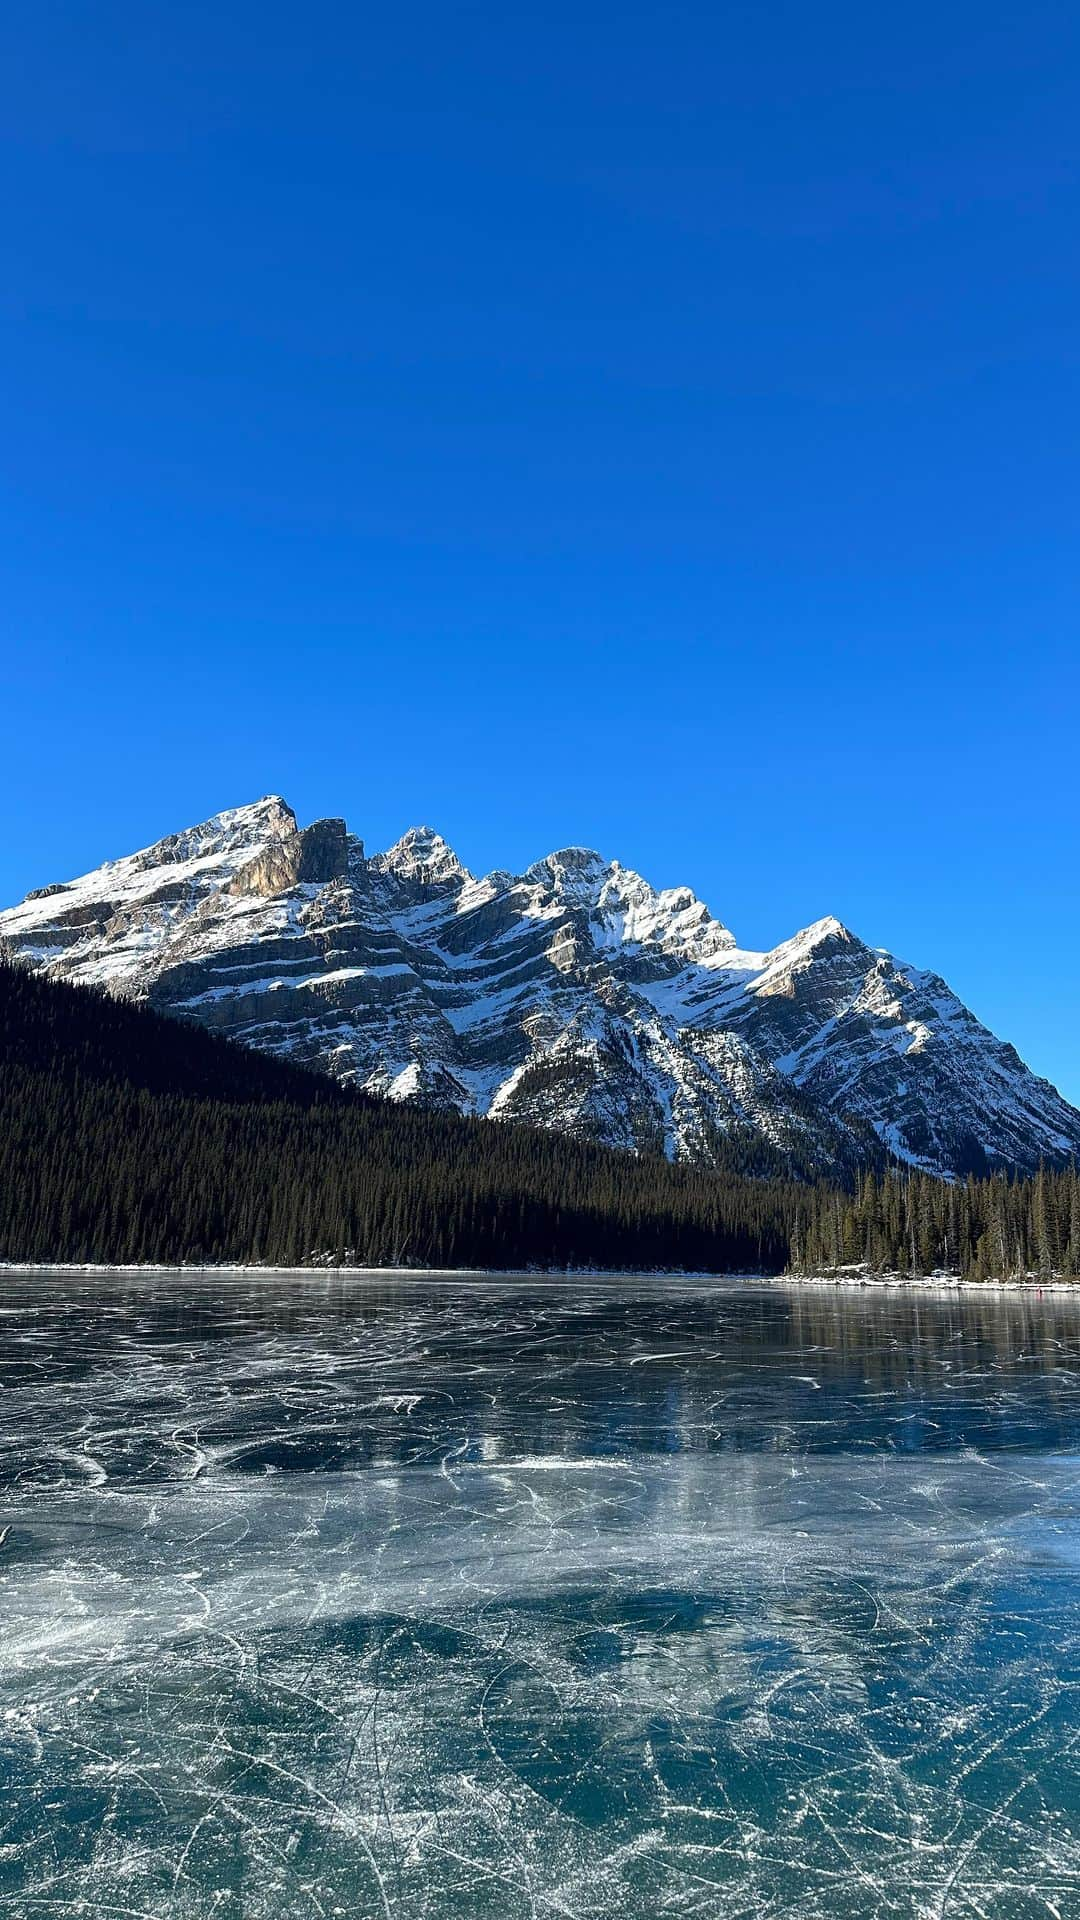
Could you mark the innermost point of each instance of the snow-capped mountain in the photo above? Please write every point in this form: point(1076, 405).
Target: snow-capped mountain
point(574, 995)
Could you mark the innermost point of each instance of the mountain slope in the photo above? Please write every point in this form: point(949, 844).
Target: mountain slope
point(127, 1137)
point(573, 996)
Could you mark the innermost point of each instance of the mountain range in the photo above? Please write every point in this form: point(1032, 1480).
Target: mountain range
point(574, 996)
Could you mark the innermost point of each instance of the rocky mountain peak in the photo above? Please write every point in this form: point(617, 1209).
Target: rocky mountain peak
point(671, 918)
point(573, 876)
point(625, 910)
point(231, 831)
point(819, 934)
point(423, 856)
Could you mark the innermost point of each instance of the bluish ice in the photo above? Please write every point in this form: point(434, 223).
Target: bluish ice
point(378, 1596)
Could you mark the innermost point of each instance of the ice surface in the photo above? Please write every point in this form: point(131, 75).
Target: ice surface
point(325, 1596)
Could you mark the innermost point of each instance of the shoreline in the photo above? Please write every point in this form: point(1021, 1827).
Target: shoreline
point(845, 1281)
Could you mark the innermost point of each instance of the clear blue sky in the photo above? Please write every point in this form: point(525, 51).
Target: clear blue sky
point(652, 426)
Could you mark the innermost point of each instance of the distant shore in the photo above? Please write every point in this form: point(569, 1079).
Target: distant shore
point(925, 1283)
point(850, 1280)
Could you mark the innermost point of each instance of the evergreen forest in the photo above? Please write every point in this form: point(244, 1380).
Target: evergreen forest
point(126, 1137)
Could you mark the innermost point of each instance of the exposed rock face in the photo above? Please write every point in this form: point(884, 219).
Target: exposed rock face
point(309, 857)
point(574, 996)
point(46, 893)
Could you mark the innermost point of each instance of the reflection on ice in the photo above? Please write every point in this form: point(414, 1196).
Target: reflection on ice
point(326, 1597)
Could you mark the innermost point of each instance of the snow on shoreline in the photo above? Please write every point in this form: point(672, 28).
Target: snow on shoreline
point(846, 1280)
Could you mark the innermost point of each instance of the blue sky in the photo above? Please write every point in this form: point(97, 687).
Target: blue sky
point(654, 427)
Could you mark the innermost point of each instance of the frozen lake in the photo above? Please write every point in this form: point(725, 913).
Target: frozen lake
point(386, 1597)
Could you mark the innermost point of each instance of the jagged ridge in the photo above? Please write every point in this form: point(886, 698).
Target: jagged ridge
point(574, 995)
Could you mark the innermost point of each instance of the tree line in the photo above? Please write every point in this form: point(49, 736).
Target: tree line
point(1002, 1227)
